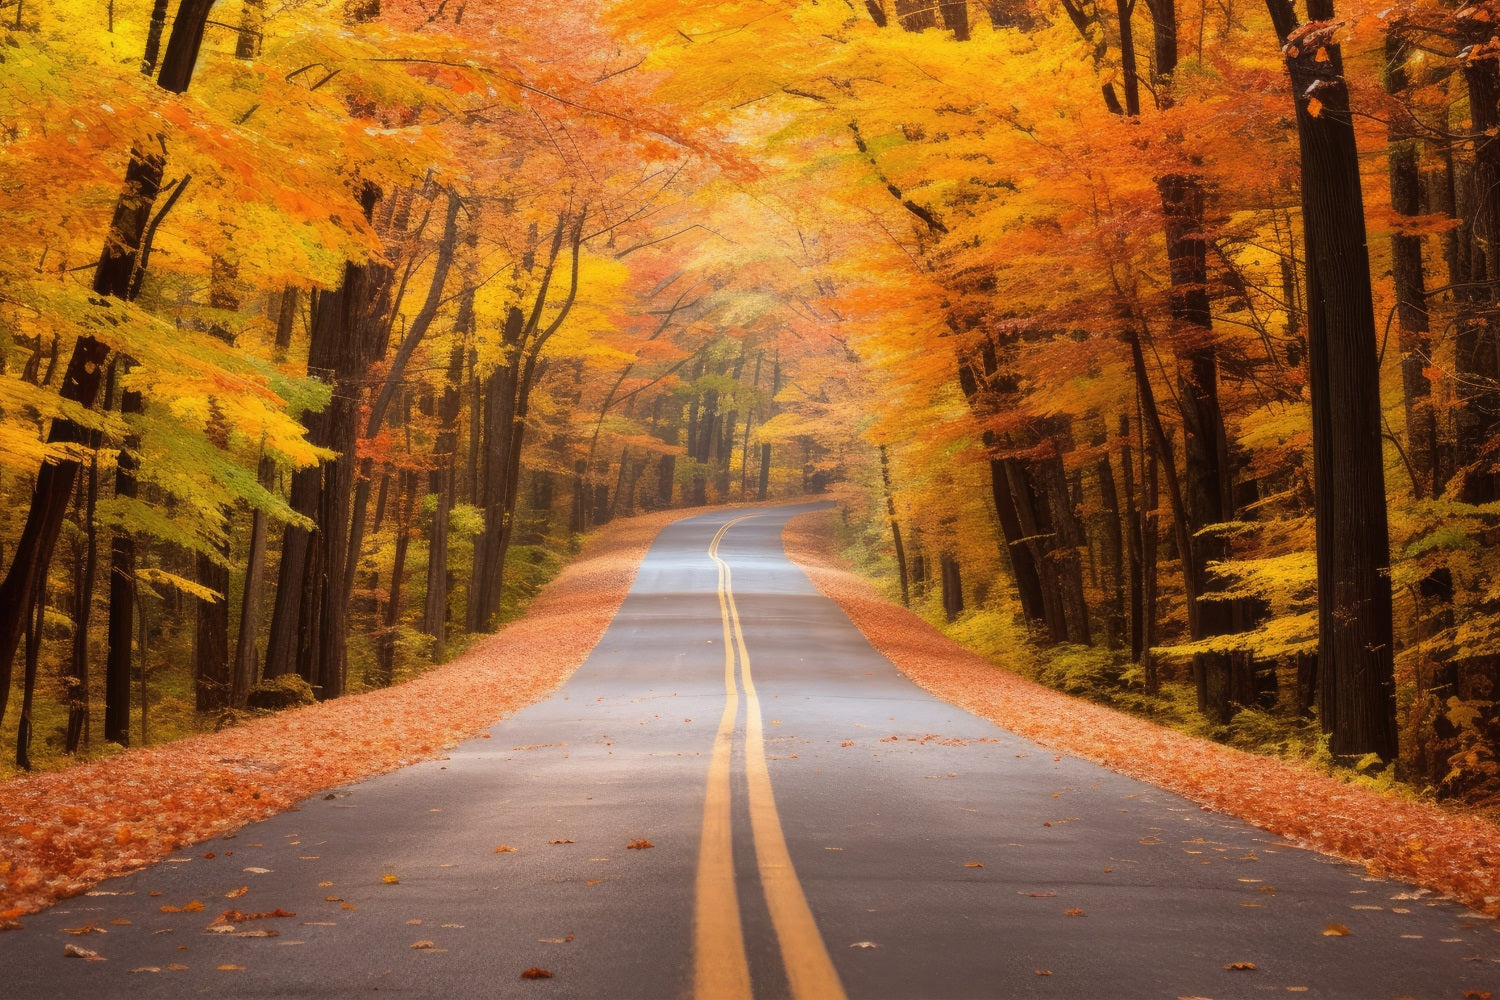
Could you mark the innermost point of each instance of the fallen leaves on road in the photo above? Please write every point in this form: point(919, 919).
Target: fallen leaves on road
point(560, 841)
point(389, 879)
point(73, 951)
point(639, 845)
point(1073, 912)
point(864, 944)
point(1335, 930)
point(505, 849)
point(973, 864)
point(1459, 855)
point(1240, 967)
point(83, 824)
point(535, 973)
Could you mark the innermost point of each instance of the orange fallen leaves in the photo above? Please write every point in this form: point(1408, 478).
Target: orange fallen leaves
point(1240, 967)
point(193, 907)
point(240, 917)
point(536, 973)
point(389, 879)
point(639, 845)
point(1335, 930)
point(505, 849)
point(1073, 912)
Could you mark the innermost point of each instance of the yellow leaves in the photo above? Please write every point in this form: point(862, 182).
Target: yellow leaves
point(389, 879)
point(1335, 930)
point(505, 849)
point(1314, 107)
point(1073, 912)
point(1240, 967)
point(237, 893)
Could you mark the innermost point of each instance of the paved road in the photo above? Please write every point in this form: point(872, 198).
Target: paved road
point(819, 828)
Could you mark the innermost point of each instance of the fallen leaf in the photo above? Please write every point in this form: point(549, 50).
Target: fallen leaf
point(231, 968)
point(176, 967)
point(1240, 967)
point(535, 973)
point(864, 944)
point(1478, 995)
point(389, 879)
point(73, 951)
point(415, 921)
point(85, 929)
point(1041, 895)
point(559, 841)
point(505, 849)
point(1074, 912)
point(261, 933)
point(237, 893)
point(973, 864)
point(1042, 972)
point(423, 944)
point(253, 871)
point(147, 968)
point(121, 922)
point(240, 917)
point(1335, 930)
point(639, 845)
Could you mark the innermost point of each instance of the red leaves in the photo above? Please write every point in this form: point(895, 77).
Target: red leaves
point(536, 973)
point(639, 845)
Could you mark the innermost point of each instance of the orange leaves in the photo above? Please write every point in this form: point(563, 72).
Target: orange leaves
point(536, 973)
point(193, 907)
point(639, 845)
point(1335, 930)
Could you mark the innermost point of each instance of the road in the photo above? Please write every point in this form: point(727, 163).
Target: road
point(817, 826)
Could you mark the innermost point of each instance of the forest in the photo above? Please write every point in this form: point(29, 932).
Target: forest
point(1156, 350)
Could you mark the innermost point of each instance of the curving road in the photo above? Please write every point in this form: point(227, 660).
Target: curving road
point(818, 827)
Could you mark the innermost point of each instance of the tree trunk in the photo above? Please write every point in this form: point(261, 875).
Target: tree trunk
point(86, 569)
point(242, 677)
point(211, 675)
point(1356, 684)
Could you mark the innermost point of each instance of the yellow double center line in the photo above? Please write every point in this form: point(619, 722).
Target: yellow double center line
point(721, 970)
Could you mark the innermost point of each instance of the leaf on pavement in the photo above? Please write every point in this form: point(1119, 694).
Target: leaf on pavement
point(389, 879)
point(423, 945)
point(864, 944)
point(1335, 930)
point(505, 849)
point(639, 845)
point(73, 951)
point(560, 841)
point(1074, 912)
point(535, 973)
point(85, 929)
point(1240, 967)
point(226, 967)
point(973, 864)
point(237, 893)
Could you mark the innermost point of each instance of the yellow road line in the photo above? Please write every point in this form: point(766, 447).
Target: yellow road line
point(720, 968)
point(809, 969)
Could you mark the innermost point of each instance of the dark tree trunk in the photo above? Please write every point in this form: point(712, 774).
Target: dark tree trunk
point(1112, 545)
point(441, 482)
point(1356, 685)
point(211, 676)
point(86, 569)
point(243, 673)
point(890, 510)
point(953, 591)
point(1413, 338)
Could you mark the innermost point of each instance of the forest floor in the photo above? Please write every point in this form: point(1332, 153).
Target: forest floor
point(62, 832)
point(1451, 853)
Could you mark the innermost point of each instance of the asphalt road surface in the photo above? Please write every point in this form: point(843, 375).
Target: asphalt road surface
point(818, 828)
